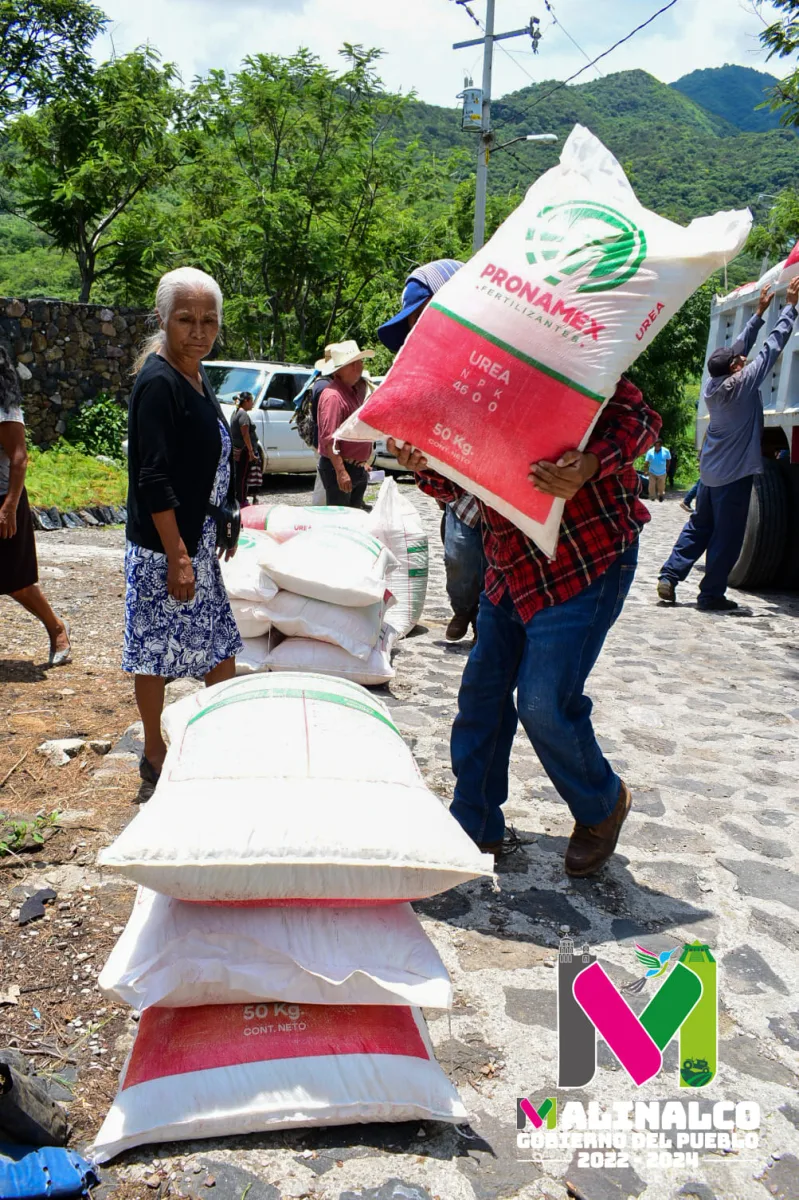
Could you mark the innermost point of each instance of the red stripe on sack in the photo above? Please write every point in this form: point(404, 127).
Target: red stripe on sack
point(176, 1041)
point(534, 416)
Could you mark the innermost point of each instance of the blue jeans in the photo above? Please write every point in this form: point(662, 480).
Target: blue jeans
point(464, 562)
point(717, 526)
point(546, 662)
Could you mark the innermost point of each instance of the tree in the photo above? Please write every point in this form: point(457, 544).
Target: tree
point(43, 45)
point(782, 39)
point(671, 361)
point(776, 238)
point(301, 202)
point(86, 155)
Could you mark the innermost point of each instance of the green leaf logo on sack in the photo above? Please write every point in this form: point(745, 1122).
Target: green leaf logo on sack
point(581, 233)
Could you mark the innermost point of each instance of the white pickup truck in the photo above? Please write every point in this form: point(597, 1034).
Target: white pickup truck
point(274, 387)
point(770, 554)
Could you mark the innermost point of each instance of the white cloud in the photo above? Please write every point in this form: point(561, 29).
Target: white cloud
point(417, 36)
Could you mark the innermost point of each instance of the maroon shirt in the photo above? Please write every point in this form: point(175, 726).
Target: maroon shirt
point(336, 403)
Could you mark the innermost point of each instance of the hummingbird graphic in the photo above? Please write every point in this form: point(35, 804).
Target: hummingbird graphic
point(656, 964)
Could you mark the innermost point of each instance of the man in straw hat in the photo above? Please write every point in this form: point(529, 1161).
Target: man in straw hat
point(342, 464)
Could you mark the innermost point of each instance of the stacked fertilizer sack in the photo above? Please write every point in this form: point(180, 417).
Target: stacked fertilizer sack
point(514, 357)
point(350, 583)
point(272, 951)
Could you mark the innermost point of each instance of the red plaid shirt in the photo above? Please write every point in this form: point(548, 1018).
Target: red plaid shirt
point(599, 522)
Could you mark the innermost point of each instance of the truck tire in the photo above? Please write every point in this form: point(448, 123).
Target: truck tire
point(788, 575)
point(766, 531)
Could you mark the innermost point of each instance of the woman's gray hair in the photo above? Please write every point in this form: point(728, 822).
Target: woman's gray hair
point(10, 391)
point(183, 279)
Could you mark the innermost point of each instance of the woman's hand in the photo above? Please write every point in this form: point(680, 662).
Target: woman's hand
point(408, 458)
point(565, 477)
point(228, 554)
point(180, 576)
point(8, 520)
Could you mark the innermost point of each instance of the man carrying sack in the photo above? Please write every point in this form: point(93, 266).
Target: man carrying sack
point(541, 626)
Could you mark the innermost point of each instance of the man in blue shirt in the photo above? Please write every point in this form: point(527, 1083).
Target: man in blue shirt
point(657, 459)
point(731, 457)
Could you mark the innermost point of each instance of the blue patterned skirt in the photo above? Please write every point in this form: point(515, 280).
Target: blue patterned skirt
point(167, 637)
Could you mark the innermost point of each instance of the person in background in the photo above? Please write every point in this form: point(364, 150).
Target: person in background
point(178, 620)
point(342, 465)
point(541, 627)
point(689, 497)
point(19, 571)
point(731, 457)
point(657, 460)
point(242, 436)
point(464, 560)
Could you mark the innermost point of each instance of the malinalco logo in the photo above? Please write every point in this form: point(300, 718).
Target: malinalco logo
point(582, 233)
point(685, 1003)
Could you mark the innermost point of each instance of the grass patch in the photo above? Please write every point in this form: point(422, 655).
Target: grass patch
point(66, 478)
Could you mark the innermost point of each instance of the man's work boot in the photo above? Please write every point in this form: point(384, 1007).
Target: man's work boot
point(458, 627)
point(592, 845)
point(715, 604)
point(667, 591)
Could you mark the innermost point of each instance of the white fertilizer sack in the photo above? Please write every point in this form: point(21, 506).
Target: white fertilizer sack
point(304, 654)
point(176, 955)
point(233, 1069)
point(514, 357)
point(397, 524)
point(291, 787)
point(340, 566)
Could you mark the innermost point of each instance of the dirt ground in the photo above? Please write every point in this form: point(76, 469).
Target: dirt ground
point(61, 1023)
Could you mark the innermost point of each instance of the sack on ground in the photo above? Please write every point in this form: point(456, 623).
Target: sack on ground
point(243, 575)
point(284, 521)
point(255, 654)
point(321, 658)
point(291, 787)
point(232, 1069)
point(177, 955)
point(398, 525)
point(340, 566)
point(356, 630)
point(251, 618)
point(514, 357)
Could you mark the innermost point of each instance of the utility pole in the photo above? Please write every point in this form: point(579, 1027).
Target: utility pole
point(484, 145)
point(486, 135)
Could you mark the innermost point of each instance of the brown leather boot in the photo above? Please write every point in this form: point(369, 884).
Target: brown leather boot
point(458, 627)
point(592, 845)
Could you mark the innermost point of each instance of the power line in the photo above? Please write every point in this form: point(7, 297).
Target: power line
point(464, 5)
point(605, 53)
point(563, 28)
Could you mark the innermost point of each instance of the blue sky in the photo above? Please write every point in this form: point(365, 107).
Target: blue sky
point(417, 36)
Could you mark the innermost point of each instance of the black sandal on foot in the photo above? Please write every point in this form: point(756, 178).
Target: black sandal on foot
point(148, 772)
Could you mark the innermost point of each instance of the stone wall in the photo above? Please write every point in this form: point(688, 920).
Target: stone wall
point(67, 354)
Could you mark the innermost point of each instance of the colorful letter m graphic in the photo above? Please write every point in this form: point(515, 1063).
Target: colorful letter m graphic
point(588, 1003)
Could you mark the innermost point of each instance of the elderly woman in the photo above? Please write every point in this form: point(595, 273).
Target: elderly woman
point(178, 620)
point(343, 465)
point(19, 573)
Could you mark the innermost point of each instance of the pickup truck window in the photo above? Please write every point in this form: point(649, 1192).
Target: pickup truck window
point(283, 387)
point(228, 382)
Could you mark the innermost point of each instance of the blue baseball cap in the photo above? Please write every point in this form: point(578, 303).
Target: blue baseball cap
point(420, 286)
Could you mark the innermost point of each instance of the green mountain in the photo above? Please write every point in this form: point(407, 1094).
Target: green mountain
point(733, 93)
point(682, 160)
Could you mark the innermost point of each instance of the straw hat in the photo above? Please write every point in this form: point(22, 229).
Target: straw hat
point(341, 355)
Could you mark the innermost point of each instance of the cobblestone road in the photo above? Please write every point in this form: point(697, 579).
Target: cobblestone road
point(699, 713)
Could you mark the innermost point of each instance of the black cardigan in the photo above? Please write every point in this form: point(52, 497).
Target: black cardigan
point(174, 445)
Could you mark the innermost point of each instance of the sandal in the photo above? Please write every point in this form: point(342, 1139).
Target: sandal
point(59, 657)
point(148, 772)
